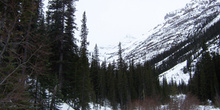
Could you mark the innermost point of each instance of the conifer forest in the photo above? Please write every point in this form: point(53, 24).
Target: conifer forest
point(42, 64)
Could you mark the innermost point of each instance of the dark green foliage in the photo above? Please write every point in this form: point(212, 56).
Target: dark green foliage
point(122, 84)
point(216, 60)
point(84, 85)
point(23, 53)
point(165, 91)
point(204, 83)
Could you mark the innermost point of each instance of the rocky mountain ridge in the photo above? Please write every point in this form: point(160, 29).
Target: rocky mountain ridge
point(179, 26)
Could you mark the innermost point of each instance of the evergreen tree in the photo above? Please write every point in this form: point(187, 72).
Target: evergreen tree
point(204, 82)
point(122, 87)
point(102, 82)
point(165, 91)
point(209, 79)
point(131, 81)
point(64, 51)
point(148, 80)
point(95, 71)
point(85, 92)
point(55, 21)
point(216, 60)
point(70, 54)
point(111, 84)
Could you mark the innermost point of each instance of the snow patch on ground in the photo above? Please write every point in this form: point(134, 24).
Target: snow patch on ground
point(206, 107)
point(65, 106)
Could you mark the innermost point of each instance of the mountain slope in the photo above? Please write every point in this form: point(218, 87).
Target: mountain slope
point(177, 73)
point(180, 36)
point(178, 26)
point(184, 23)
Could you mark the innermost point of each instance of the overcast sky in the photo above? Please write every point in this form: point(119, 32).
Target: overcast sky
point(109, 21)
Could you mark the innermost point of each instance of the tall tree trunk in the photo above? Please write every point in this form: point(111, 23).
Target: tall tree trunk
point(61, 49)
point(53, 98)
point(61, 65)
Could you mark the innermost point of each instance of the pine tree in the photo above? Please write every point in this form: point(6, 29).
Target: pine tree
point(84, 84)
point(165, 91)
point(148, 80)
point(55, 21)
point(70, 54)
point(111, 84)
point(95, 71)
point(209, 79)
point(102, 82)
point(216, 60)
point(61, 26)
point(204, 82)
point(122, 87)
point(131, 81)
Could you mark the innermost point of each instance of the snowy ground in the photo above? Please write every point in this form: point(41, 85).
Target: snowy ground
point(181, 102)
point(65, 106)
point(177, 102)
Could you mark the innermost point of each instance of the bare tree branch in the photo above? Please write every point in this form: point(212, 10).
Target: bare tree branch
point(19, 66)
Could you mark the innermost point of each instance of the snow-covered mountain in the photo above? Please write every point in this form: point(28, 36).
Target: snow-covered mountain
point(178, 26)
point(173, 39)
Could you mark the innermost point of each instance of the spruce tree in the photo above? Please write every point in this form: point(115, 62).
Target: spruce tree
point(216, 60)
point(209, 79)
point(111, 84)
point(70, 54)
point(165, 91)
point(204, 81)
point(85, 91)
point(55, 26)
point(95, 71)
point(102, 82)
point(64, 50)
point(122, 87)
point(131, 81)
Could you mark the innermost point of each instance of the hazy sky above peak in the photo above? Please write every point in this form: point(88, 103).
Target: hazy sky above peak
point(109, 21)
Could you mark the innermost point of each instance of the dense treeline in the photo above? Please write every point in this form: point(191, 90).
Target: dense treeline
point(205, 82)
point(123, 83)
point(41, 65)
